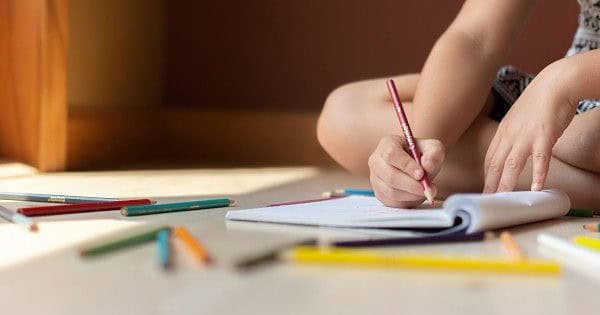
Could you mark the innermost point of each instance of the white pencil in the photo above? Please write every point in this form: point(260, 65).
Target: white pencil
point(18, 219)
point(569, 250)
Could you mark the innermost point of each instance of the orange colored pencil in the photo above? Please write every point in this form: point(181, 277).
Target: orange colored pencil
point(592, 227)
point(192, 244)
point(511, 246)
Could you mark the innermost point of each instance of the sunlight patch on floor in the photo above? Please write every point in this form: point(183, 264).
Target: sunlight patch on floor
point(159, 183)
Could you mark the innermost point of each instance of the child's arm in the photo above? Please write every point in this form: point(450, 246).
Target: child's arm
point(537, 120)
point(458, 73)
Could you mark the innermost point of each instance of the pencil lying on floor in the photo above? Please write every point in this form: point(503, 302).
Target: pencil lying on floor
point(176, 206)
point(335, 256)
point(18, 219)
point(121, 240)
point(51, 198)
point(192, 244)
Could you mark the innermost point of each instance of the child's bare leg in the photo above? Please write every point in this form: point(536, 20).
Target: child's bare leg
point(357, 116)
point(580, 143)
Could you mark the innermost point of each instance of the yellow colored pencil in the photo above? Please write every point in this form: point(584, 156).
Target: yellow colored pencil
point(587, 242)
point(192, 244)
point(511, 246)
point(338, 256)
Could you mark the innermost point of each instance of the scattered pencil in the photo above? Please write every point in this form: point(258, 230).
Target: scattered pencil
point(592, 227)
point(583, 213)
point(192, 244)
point(176, 206)
point(121, 240)
point(587, 242)
point(357, 257)
point(19, 219)
point(81, 207)
point(347, 192)
point(164, 248)
point(511, 246)
point(51, 198)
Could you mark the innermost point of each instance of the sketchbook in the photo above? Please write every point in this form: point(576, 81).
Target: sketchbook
point(469, 213)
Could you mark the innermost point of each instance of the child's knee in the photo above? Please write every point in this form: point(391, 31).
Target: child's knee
point(336, 118)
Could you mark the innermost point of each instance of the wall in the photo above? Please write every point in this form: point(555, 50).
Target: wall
point(287, 55)
point(116, 53)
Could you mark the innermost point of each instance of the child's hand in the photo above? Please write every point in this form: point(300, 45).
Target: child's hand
point(530, 129)
point(395, 174)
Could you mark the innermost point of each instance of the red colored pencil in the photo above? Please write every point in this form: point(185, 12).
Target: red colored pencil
point(82, 207)
point(412, 146)
point(303, 201)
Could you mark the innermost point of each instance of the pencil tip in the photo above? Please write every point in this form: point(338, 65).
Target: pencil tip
point(429, 196)
point(33, 227)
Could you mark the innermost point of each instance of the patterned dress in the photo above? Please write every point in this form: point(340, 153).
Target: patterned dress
point(511, 82)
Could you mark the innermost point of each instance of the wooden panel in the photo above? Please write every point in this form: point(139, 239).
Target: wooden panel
point(33, 47)
point(170, 137)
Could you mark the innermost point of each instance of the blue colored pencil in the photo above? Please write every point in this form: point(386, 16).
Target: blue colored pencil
point(348, 192)
point(164, 248)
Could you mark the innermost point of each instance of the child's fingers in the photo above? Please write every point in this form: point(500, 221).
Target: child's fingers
point(391, 151)
point(393, 197)
point(513, 166)
point(541, 163)
point(433, 155)
point(496, 166)
point(394, 177)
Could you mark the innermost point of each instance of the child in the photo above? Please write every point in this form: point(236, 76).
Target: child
point(539, 140)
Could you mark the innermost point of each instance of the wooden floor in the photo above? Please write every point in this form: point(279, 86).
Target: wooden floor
point(42, 274)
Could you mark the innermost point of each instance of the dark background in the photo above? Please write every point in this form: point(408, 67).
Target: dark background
point(287, 54)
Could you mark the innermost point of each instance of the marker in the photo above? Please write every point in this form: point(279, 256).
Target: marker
point(164, 248)
point(511, 246)
point(19, 219)
point(121, 240)
point(412, 146)
point(356, 257)
point(176, 206)
point(192, 244)
point(592, 227)
point(51, 198)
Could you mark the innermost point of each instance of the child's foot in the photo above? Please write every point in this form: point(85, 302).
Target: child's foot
point(580, 143)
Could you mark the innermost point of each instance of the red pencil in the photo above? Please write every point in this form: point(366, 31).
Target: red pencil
point(412, 146)
point(82, 207)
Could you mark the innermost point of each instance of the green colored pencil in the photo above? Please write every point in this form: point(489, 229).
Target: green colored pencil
point(584, 213)
point(121, 240)
point(176, 206)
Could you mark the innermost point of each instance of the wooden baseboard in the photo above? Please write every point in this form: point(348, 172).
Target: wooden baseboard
point(121, 138)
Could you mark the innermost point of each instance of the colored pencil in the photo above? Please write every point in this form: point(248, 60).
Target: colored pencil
point(121, 240)
point(400, 241)
point(348, 191)
point(587, 242)
point(51, 198)
point(81, 207)
point(192, 244)
point(412, 146)
point(19, 219)
point(356, 257)
point(511, 246)
point(302, 201)
point(176, 206)
point(592, 227)
point(268, 257)
point(569, 251)
point(164, 248)
point(583, 213)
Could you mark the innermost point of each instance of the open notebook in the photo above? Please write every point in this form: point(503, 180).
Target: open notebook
point(469, 213)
